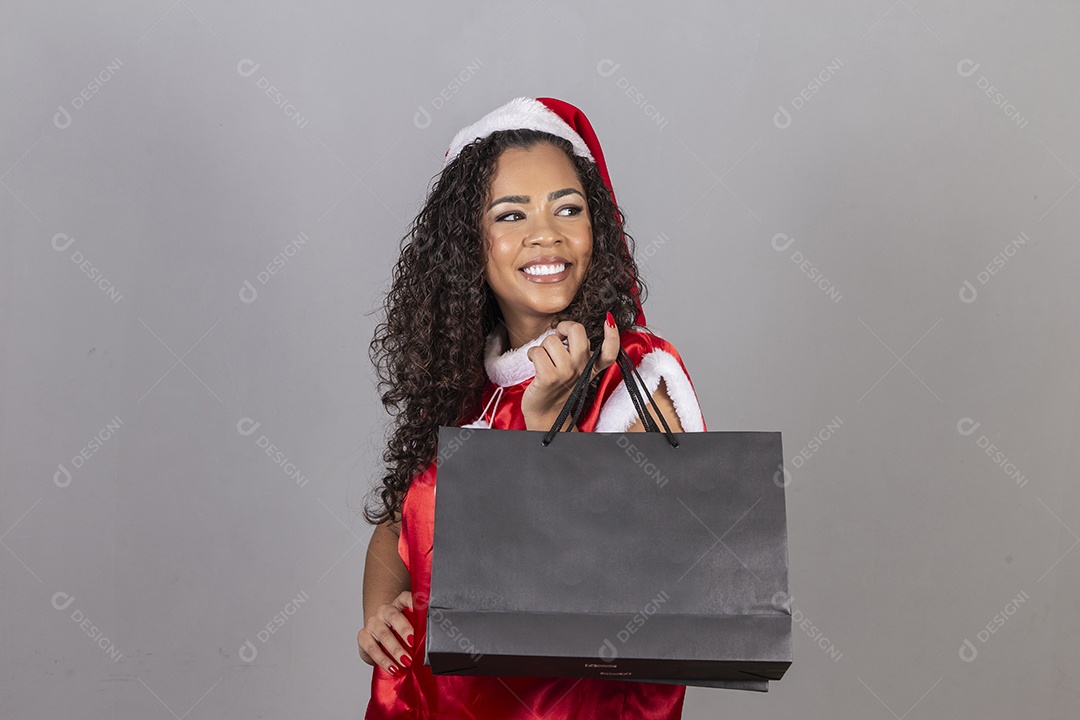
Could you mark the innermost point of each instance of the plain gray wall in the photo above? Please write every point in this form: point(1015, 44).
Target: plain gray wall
point(900, 148)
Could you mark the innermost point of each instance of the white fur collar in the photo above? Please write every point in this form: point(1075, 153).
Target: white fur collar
point(512, 366)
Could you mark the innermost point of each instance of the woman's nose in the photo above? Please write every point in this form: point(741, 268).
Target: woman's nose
point(543, 228)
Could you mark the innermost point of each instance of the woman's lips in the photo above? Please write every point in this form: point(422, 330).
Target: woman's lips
point(554, 278)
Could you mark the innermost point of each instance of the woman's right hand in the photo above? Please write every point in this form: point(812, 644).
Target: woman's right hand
point(379, 645)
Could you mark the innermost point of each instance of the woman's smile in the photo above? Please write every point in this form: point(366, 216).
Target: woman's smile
point(546, 269)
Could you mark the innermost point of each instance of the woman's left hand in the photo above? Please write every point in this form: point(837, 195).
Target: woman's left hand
point(558, 369)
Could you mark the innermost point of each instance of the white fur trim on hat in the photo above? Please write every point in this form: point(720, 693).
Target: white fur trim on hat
point(516, 114)
point(618, 413)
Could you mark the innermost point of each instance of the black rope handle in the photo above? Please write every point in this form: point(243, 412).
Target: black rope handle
point(577, 397)
point(576, 401)
point(633, 390)
point(626, 368)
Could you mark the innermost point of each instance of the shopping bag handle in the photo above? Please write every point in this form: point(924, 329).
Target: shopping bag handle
point(576, 401)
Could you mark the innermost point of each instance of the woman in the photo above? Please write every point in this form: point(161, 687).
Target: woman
point(498, 298)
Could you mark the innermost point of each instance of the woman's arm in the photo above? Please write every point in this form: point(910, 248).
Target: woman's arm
point(386, 593)
point(666, 407)
point(385, 575)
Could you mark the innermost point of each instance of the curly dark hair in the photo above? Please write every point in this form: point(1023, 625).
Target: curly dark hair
point(428, 353)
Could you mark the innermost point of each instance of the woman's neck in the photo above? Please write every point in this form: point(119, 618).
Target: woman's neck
point(518, 333)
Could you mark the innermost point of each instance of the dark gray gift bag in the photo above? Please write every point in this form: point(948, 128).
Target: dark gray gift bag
point(654, 556)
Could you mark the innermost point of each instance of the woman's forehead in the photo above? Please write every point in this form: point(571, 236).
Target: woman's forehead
point(539, 165)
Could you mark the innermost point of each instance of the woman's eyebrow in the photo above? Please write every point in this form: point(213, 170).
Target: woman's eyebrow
point(522, 199)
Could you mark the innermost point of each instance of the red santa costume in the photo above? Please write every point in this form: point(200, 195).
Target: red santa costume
point(416, 692)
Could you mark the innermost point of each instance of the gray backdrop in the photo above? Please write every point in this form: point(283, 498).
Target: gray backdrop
point(855, 219)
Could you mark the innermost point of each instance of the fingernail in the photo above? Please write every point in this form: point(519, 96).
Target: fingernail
point(408, 640)
point(406, 660)
point(610, 320)
point(394, 670)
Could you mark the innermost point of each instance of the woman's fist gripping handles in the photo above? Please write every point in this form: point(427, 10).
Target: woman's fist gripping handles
point(559, 361)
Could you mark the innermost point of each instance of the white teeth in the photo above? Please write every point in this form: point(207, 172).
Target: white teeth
point(544, 269)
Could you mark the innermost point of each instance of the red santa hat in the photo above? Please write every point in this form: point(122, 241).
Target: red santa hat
point(548, 115)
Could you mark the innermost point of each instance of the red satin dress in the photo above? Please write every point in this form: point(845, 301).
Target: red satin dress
point(417, 693)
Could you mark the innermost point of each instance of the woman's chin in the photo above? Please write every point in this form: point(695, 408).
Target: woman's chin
point(550, 305)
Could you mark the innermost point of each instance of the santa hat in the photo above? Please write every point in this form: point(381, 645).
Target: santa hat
point(551, 116)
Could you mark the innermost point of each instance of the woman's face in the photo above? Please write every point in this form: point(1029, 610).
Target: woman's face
point(538, 233)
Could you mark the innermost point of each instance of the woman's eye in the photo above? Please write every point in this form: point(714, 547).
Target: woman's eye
point(504, 216)
point(574, 210)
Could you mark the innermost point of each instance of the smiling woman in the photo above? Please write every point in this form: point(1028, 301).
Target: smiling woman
point(500, 296)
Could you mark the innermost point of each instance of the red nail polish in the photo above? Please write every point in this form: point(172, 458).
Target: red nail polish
point(610, 320)
point(406, 660)
point(408, 640)
point(393, 670)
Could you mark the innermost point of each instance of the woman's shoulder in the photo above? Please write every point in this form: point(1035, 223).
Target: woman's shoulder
point(656, 359)
point(639, 340)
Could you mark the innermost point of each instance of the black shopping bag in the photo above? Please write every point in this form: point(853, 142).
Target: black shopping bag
point(654, 556)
